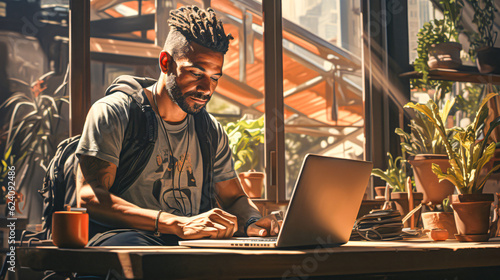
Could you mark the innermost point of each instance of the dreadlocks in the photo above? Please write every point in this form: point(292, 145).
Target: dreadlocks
point(200, 26)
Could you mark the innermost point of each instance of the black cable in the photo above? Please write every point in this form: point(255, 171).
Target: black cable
point(180, 173)
point(183, 207)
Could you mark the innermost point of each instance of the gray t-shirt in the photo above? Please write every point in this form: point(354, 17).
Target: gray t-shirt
point(170, 181)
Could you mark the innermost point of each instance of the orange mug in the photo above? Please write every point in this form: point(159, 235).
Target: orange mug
point(70, 229)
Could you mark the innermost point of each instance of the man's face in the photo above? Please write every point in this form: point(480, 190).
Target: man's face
point(194, 78)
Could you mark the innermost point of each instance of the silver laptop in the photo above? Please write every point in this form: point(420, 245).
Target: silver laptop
point(322, 210)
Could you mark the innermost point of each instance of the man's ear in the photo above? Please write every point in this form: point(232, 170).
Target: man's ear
point(164, 61)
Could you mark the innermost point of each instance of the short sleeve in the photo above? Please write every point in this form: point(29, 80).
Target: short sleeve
point(224, 164)
point(104, 128)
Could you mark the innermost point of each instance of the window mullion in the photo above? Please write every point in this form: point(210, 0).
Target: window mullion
point(274, 103)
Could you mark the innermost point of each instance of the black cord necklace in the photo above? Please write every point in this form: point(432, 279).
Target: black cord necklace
point(182, 207)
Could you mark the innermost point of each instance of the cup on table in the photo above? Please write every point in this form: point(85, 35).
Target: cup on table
point(70, 229)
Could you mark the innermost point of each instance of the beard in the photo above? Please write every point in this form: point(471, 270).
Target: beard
point(176, 95)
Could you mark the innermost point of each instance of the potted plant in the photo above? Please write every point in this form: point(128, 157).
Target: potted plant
point(244, 138)
point(471, 207)
point(438, 47)
point(425, 145)
point(396, 177)
point(441, 217)
point(482, 42)
point(446, 54)
point(33, 123)
point(31, 131)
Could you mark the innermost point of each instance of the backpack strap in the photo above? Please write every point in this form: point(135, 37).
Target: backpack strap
point(139, 140)
point(208, 139)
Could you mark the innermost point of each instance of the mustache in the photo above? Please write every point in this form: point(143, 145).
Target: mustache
point(198, 95)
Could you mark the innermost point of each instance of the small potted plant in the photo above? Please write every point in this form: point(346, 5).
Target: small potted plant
point(438, 45)
point(245, 136)
point(396, 177)
point(425, 146)
point(440, 217)
point(471, 207)
point(482, 42)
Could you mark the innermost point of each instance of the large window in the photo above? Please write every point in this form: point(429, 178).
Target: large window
point(322, 92)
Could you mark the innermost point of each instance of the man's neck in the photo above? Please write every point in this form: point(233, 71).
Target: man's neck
point(168, 110)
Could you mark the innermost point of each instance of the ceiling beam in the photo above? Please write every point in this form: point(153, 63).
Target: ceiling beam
point(104, 27)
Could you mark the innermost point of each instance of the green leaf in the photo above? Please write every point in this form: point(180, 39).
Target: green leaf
point(379, 173)
point(8, 152)
point(441, 176)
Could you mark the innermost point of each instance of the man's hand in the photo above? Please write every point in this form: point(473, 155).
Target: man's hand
point(269, 225)
point(215, 223)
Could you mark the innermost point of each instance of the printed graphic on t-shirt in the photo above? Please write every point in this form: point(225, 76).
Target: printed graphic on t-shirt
point(173, 191)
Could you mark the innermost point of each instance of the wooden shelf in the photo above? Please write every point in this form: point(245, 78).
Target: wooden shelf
point(463, 74)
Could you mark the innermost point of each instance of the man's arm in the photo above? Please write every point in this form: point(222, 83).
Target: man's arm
point(94, 179)
point(233, 199)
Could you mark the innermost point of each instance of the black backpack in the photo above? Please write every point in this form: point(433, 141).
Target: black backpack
point(59, 187)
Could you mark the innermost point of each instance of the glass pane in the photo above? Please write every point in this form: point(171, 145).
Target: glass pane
point(241, 89)
point(322, 81)
point(336, 22)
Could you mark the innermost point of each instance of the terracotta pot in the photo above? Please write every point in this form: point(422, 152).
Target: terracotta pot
point(427, 182)
point(402, 205)
point(380, 192)
point(488, 60)
point(252, 183)
point(443, 220)
point(472, 213)
point(445, 55)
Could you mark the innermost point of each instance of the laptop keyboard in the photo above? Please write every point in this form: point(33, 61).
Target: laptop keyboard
point(264, 239)
point(259, 242)
point(257, 239)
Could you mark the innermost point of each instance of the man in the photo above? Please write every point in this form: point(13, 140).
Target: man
point(167, 200)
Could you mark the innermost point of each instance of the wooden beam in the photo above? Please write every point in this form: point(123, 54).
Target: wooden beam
point(274, 107)
point(163, 8)
point(122, 25)
point(79, 60)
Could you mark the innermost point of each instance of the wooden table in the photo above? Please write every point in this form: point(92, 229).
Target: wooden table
point(353, 258)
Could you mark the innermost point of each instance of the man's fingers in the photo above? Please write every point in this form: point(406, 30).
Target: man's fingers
point(215, 223)
point(255, 230)
point(199, 232)
point(275, 228)
point(230, 227)
point(271, 224)
point(226, 215)
point(221, 231)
